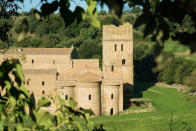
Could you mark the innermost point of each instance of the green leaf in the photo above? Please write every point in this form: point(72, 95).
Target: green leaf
point(79, 14)
point(92, 13)
point(44, 118)
point(2, 125)
point(22, 128)
point(26, 108)
point(21, 36)
point(90, 125)
point(43, 102)
point(72, 103)
point(78, 125)
point(62, 102)
point(24, 91)
point(8, 85)
point(19, 72)
point(89, 111)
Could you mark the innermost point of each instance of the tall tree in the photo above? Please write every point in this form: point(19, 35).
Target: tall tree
point(8, 9)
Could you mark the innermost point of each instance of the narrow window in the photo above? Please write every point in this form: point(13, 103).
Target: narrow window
point(111, 111)
point(66, 97)
point(57, 75)
point(121, 47)
point(27, 82)
point(43, 92)
point(112, 96)
point(32, 61)
point(89, 97)
point(43, 83)
point(53, 61)
point(123, 61)
point(112, 68)
point(115, 47)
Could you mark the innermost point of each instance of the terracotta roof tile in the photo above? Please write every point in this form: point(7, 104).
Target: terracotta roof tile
point(40, 51)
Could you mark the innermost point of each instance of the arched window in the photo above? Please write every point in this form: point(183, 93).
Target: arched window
point(89, 97)
point(112, 68)
point(66, 97)
point(112, 96)
point(32, 61)
point(123, 61)
point(115, 47)
point(121, 47)
point(111, 111)
point(53, 61)
point(43, 92)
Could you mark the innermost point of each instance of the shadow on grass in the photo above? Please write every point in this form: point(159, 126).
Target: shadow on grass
point(133, 91)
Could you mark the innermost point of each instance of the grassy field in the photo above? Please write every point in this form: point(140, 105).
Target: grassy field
point(174, 46)
point(184, 114)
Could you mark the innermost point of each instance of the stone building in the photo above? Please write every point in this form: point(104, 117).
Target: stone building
point(55, 72)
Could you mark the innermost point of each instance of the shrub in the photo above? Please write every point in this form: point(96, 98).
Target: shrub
point(191, 81)
point(176, 70)
point(183, 70)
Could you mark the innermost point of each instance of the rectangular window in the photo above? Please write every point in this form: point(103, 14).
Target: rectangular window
point(43, 83)
point(32, 61)
point(89, 97)
point(112, 68)
point(115, 47)
point(66, 97)
point(112, 96)
point(121, 47)
point(53, 61)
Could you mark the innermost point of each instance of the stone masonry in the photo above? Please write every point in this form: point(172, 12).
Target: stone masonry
point(55, 72)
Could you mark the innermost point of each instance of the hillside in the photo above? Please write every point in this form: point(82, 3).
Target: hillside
point(165, 102)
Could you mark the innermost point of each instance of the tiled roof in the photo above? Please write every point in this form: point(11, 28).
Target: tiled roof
point(89, 77)
point(40, 51)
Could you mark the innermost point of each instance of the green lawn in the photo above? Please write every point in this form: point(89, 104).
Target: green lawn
point(174, 46)
point(184, 114)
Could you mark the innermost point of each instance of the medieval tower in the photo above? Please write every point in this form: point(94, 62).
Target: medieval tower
point(117, 66)
point(118, 52)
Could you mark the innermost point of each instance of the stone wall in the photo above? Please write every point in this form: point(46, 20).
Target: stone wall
point(88, 95)
point(110, 99)
point(41, 81)
point(118, 51)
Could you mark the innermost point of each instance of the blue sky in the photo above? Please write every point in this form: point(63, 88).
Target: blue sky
point(29, 4)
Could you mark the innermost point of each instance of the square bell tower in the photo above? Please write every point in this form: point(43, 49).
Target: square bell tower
point(118, 52)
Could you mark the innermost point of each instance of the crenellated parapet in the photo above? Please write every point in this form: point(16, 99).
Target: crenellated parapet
point(122, 32)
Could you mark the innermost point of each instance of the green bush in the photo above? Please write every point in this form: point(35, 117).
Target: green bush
point(3, 45)
point(176, 70)
point(191, 81)
point(183, 70)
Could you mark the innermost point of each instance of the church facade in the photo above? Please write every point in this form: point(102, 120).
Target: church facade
point(54, 72)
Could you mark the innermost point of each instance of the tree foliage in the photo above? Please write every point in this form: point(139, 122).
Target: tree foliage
point(18, 111)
